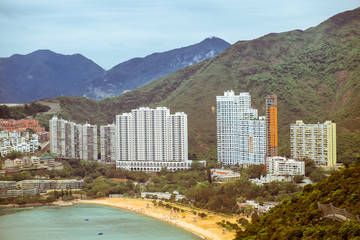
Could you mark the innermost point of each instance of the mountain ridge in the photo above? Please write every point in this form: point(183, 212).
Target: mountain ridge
point(81, 76)
point(25, 78)
point(137, 72)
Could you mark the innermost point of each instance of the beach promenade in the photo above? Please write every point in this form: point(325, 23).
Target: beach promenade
point(206, 227)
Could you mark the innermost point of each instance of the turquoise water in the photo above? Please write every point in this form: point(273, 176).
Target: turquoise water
point(69, 223)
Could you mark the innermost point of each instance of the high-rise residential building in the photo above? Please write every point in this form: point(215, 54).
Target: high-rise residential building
point(150, 139)
point(108, 143)
point(89, 143)
point(66, 139)
point(271, 126)
point(57, 136)
point(78, 139)
point(314, 141)
point(241, 135)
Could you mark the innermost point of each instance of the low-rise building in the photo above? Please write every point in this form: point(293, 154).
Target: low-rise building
point(283, 169)
point(35, 160)
point(18, 162)
point(47, 160)
point(4, 134)
point(224, 175)
point(9, 163)
point(281, 166)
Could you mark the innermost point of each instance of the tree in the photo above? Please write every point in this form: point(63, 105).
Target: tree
point(4, 112)
point(163, 171)
point(208, 172)
point(14, 154)
point(298, 178)
point(248, 210)
point(260, 200)
point(317, 176)
point(30, 130)
point(241, 200)
point(350, 230)
point(197, 166)
point(254, 171)
point(202, 215)
point(243, 221)
point(255, 217)
point(310, 166)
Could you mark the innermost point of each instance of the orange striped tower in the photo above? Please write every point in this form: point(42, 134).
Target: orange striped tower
point(271, 126)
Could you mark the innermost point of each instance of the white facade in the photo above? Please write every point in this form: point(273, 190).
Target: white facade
point(57, 136)
point(18, 142)
point(155, 166)
point(281, 166)
point(4, 134)
point(108, 143)
point(89, 144)
point(241, 136)
point(70, 140)
point(151, 135)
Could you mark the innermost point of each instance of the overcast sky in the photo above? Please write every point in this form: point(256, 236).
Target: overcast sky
point(112, 31)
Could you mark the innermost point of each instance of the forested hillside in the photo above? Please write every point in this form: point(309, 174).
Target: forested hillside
point(301, 218)
point(315, 73)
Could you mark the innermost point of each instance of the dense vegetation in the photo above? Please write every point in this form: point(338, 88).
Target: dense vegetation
point(300, 217)
point(315, 74)
point(22, 111)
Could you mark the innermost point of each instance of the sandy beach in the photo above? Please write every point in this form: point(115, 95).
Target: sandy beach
point(206, 227)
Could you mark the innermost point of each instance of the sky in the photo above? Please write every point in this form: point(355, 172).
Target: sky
point(112, 31)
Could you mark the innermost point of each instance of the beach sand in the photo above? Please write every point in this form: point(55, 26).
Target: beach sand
point(206, 227)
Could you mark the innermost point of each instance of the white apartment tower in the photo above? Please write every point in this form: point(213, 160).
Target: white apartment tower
point(152, 135)
point(241, 135)
point(147, 135)
point(67, 141)
point(58, 140)
point(108, 143)
point(314, 141)
point(89, 143)
point(78, 139)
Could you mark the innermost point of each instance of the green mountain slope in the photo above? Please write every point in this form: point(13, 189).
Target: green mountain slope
point(300, 217)
point(315, 74)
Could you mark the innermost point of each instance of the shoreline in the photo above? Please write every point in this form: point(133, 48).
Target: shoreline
point(56, 203)
point(205, 228)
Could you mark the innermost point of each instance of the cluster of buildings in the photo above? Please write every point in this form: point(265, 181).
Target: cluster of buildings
point(151, 139)
point(21, 125)
point(18, 141)
point(45, 162)
point(244, 138)
point(144, 139)
point(33, 187)
point(15, 137)
point(71, 140)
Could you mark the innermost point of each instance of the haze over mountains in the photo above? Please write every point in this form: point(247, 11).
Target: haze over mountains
point(45, 74)
point(139, 71)
point(315, 73)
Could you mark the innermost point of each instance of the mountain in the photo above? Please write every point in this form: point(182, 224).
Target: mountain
point(44, 74)
point(315, 73)
point(301, 218)
point(139, 71)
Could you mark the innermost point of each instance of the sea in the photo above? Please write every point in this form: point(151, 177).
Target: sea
point(85, 222)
